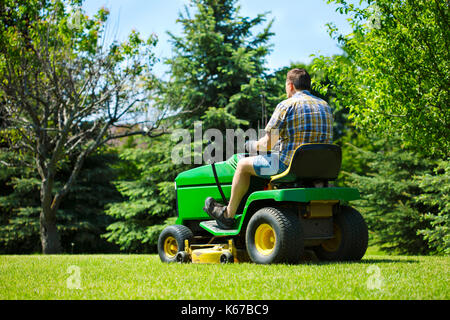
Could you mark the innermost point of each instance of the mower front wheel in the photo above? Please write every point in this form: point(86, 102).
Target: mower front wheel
point(226, 257)
point(182, 257)
point(171, 242)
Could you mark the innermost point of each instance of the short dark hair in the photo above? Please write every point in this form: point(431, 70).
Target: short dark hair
point(300, 78)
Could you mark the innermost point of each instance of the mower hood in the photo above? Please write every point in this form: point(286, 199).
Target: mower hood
point(204, 175)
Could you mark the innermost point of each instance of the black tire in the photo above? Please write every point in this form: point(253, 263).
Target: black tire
point(281, 233)
point(182, 257)
point(171, 241)
point(351, 240)
point(226, 257)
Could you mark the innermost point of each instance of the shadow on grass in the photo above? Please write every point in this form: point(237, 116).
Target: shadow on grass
point(381, 260)
point(311, 258)
point(365, 261)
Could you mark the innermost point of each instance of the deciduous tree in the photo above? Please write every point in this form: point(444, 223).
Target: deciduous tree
point(395, 74)
point(63, 88)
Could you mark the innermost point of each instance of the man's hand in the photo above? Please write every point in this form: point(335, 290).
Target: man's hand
point(251, 146)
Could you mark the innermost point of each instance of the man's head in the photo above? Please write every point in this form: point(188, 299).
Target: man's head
point(296, 80)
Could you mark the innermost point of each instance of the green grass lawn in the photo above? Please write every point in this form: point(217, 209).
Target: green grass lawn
point(145, 277)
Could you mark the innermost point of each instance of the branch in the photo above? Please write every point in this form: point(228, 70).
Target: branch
point(78, 165)
point(135, 133)
point(128, 108)
point(6, 164)
point(77, 139)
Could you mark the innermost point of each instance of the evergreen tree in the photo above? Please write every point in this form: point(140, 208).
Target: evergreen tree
point(19, 207)
point(147, 185)
point(215, 56)
point(404, 198)
point(83, 219)
point(81, 216)
point(217, 77)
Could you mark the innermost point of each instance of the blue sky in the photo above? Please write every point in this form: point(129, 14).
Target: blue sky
point(299, 25)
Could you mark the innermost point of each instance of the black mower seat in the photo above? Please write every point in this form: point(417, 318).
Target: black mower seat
point(312, 162)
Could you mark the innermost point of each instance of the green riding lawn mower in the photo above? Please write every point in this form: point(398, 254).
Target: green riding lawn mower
point(279, 218)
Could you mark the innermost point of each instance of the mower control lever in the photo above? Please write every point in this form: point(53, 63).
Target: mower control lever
point(216, 178)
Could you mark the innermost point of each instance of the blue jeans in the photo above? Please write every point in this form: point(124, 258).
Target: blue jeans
point(268, 165)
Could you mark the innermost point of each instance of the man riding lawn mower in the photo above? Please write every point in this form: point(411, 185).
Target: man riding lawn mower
point(268, 208)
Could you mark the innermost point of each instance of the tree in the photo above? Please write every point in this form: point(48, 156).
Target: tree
point(217, 76)
point(81, 217)
point(146, 184)
point(405, 199)
point(63, 89)
point(215, 56)
point(395, 74)
point(393, 77)
point(19, 212)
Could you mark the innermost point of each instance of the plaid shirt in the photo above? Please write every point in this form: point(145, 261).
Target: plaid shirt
point(301, 119)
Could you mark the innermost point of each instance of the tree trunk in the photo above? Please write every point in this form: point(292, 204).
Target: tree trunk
point(50, 240)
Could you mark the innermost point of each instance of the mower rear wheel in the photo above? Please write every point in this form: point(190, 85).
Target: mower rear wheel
point(274, 235)
point(350, 237)
point(171, 242)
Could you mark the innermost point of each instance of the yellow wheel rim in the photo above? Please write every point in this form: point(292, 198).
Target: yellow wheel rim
point(265, 239)
point(170, 247)
point(333, 244)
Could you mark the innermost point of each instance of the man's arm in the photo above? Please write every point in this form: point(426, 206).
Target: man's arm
point(276, 123)
point(266, 143)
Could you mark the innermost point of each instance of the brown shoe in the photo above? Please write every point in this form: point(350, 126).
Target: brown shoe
point(217, 211)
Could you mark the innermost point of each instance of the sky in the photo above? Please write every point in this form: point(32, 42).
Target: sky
point(299, 25)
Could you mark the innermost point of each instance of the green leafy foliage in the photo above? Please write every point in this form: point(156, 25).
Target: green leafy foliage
point(392, 81)
point(395, 75)
point(220, 119)
point(63, 88)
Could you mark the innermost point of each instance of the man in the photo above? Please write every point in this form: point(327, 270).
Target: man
point(301, 118)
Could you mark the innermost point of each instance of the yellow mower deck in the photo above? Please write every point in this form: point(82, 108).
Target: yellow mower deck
point(212, 253)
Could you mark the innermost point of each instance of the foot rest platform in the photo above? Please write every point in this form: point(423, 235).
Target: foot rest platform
point(212, 227)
